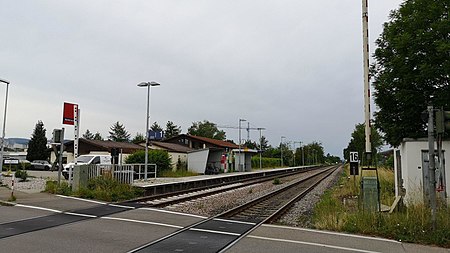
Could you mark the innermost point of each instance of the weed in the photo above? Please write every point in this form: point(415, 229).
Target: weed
point(276, 181)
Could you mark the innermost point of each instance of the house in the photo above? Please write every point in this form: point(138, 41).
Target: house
point(213, 154)
point(177, 153)
point(86, 146)
point(411, 170)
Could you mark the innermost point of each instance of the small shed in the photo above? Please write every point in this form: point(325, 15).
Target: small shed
point(411, 170)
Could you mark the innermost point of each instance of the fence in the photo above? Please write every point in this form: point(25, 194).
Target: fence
point(126, 173)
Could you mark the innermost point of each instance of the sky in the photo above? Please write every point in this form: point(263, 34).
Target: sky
point(292, 67)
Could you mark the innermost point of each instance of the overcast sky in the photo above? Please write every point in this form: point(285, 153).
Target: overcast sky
point(293, 67)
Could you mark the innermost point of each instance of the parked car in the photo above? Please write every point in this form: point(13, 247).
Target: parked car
point(86, 159)
point(40, 165)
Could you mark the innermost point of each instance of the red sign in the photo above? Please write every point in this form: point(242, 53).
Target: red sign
point(69, 114)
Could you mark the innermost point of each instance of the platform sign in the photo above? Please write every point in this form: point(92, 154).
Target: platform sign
point(354, 162)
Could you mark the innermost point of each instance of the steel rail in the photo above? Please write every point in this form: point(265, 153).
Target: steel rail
point(214, 189)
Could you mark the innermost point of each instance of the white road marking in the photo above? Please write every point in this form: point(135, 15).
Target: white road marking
point(236, 221)
point(332, 233)
point(120, 206)
point(172, 212)
point(142, 222)
point(80, 199)
point(40, 208)
point(312, 244)
point(81, 214)
point(214, 232)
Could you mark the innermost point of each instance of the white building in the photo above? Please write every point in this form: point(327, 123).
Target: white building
point(411, 170)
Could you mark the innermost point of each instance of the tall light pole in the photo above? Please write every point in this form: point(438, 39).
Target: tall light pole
point(281, 149)
point(260, 146)
point(239, 164)
point(4, 125)
point(148, 85)
point(303, 156)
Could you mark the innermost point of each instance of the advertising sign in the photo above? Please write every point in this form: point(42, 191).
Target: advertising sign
point(69, 113)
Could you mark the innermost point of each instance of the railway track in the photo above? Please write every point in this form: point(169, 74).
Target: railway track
point(219, 233)
point(171, 198)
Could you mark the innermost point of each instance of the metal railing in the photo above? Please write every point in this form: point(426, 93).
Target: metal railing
point(125, 173)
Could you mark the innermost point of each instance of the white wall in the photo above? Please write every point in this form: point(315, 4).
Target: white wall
point(197, 160)
point(411, 169)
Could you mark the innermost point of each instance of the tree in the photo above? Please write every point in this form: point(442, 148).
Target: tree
point(37, 146)
point(138, 138)
point(88, 135)
point(206, 129)
point(264, 143)
point(411, 69)
point(155, 127)
point(98, 136)
point(171, 130)
point(159, 157)
point(358, 141)
point(118, 133)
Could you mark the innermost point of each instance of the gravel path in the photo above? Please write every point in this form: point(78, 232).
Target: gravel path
point(31, 185)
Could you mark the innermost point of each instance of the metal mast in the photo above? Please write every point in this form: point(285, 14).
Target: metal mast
point(365, 19)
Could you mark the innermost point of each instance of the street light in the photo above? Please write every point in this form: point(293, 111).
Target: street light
point(260, 146)
point(148, 85)
point(281, 149)
point(4, 125)
point(239, 165)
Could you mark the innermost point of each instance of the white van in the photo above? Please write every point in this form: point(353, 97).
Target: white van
point(86, 159)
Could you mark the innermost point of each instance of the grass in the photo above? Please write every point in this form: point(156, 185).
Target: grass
point(338, 210)
point(100, 188)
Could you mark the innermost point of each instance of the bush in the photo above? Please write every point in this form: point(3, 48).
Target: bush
point(63, 188)
point(22, 174)
point(266, 162)
point(108, 189)
point(159, 157)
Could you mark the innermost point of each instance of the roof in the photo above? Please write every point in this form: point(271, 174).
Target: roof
point(218, 143)
point(171, 146)
point(108, 145)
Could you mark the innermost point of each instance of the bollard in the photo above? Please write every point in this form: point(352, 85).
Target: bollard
point(12, 185)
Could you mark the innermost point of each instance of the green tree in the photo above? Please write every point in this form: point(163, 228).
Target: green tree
point(171, 130)
point(118, 133)
point(159, 157)
point(251, 144)
point(156, 127)
point(206, 129)
point(412, 67)
point(138, 138)
point(264, 143)
point(98, 136)
point(88, 135)
point(358, 141)
point(37, 146)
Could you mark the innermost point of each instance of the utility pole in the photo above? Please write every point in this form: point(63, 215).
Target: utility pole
point(431, 167)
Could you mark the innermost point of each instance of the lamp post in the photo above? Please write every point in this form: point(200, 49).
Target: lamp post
point(4, 125)
point(303, 157)
point(260, 146)
point(148, 85)
point(281, 149)
point(239, 164)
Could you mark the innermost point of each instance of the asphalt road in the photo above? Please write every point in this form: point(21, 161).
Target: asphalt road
point(43, 222)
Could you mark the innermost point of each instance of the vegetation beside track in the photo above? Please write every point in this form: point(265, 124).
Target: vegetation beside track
point(338, 211)
point(100, 188)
